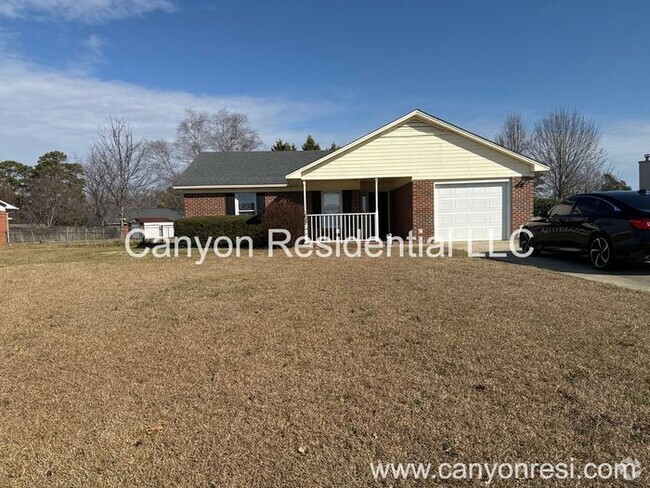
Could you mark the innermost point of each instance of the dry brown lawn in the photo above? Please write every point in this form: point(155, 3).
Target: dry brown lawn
point(287, 372)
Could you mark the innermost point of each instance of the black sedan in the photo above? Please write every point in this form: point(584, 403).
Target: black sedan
point(610, 226)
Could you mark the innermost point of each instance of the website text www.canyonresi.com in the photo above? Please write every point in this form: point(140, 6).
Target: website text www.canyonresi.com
point(627, 470)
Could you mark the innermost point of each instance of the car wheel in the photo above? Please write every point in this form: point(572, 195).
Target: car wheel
point(527, 242)
point(601, 253)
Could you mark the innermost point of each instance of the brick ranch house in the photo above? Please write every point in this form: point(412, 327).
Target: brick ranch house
point(416, 173)
point(5, 208)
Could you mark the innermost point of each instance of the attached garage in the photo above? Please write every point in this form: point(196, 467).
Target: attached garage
point(476, 208)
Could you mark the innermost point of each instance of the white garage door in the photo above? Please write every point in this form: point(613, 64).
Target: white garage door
point(479, 207)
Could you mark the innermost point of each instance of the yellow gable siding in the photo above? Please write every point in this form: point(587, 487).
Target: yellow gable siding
point(420, 151)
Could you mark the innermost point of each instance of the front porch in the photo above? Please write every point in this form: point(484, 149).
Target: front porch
point(354, 209)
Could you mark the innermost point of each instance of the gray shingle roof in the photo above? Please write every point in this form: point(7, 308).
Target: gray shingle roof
point(245, 168)
point(148, 213)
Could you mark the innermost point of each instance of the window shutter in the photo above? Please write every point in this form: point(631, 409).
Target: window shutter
point(347, 201)
point(230, 204)
point(260, 203)
point(315, 202)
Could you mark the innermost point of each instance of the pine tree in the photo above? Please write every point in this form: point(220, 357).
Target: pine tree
point(310, 144)
point(280, 145)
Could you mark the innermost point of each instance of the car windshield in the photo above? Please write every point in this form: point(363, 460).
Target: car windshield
point(640, 201)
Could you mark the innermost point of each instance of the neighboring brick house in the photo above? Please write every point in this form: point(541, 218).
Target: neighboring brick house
point(5, 208)
point(416, 173)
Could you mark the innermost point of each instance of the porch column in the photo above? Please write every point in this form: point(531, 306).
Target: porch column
point(304, 206)
point(377, 208)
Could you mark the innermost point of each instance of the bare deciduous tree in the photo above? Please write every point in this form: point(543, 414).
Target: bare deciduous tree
point(570, 145)
point(167, 165)
point(222, 131)
point(164, 160)
point(96, 190)
point(513, 135)
point(120, 167)
point(231, 132)
point(193, 135)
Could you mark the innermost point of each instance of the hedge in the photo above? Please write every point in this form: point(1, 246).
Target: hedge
point(230, 226)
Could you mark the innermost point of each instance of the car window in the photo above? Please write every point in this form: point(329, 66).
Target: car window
point(563, 208)
point(634, 199)
point(606, 208)
point(587, 206)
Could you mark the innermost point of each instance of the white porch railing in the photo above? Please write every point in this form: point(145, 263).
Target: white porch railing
point(340, 227)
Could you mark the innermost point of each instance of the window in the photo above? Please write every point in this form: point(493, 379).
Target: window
point(332, 202)
point(245, 204)
point(591, 206)
point(563, 208)
point(606, 208)
point(638, 200)
point(587, 206)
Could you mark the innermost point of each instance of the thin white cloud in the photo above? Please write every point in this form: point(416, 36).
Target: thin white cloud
point(45, 110)
point(88, 57)
point(89, 11)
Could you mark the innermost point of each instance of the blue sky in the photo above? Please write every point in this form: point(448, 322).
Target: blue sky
point(334, 69)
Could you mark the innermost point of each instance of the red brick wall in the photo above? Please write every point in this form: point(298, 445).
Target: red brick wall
point(4, 229)
point(401, 210)
point(523, 191)
point(293, 196)
point(423, 207)
point(209, 204)
point(204, 204)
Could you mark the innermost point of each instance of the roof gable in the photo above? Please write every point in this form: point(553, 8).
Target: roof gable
point(418, 116)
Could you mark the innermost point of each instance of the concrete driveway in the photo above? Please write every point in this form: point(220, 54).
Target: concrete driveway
point(633, 276)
